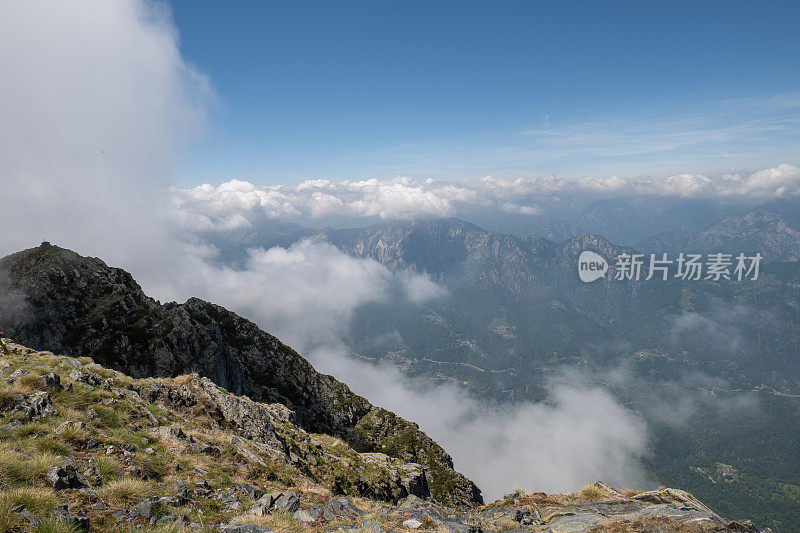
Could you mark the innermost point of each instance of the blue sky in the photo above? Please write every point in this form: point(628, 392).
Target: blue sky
point(343, 90)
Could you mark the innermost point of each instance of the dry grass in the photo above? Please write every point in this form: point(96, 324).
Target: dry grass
point(53, 524)
point(592, 493)
point(280, 522)
point(506, 524)
point(162, 528)
point(125, 491)
point(109, 467)
point(18, 468)
point(34, 499)
point(661, 524)
point(9, 520)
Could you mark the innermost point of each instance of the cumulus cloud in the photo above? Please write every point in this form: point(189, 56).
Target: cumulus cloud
point(510, 207)
point(406, 198)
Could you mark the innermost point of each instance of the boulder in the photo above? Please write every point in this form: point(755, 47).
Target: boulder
point(66, 476)
point(32, 406)
point(370, 526)
point(79, 522)
point(15, 375)
point(309, 515)
point(262, 505)
point(50, 381)
point(250, 492)
point(286, 501)
point(404, 479)
point(146, 508)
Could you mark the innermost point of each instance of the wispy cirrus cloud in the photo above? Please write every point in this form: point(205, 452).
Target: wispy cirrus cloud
point(708, 136)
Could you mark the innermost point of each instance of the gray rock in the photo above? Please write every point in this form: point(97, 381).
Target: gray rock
point(245, 528)
point(144, 508)
point(65, 476)
point(32, 407)
point(342, 508)
point(64, 426)
point(743, 526)
point(336, 509)
point(80, 522)
point(147, 508)
point(287, 501)
point(370, 526)
point(249, 491)
point(412, 523)
point(262, 505)
point(407, 478)
point(70, 362)
point(309, 515)
point(458, 527)
point(50, 381)
point(88, 378)
point(180, 489)
point(15, 375)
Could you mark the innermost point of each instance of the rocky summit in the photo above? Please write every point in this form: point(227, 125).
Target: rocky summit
point(87, 448)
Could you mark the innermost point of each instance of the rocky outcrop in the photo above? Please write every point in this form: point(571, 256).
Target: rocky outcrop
point(665, 510)
point(259, 430)
point(79, 306)
point(388, 433)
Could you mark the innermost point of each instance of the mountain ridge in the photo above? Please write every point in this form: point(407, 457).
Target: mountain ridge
point(79, 306)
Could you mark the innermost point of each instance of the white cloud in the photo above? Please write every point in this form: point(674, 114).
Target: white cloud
point(94, 102)
point(420, 288)
point(510, 207)
point(405, 198)
point(583, 435)
point(304, 294)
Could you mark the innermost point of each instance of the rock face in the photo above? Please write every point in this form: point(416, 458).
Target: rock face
point(81, 307)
